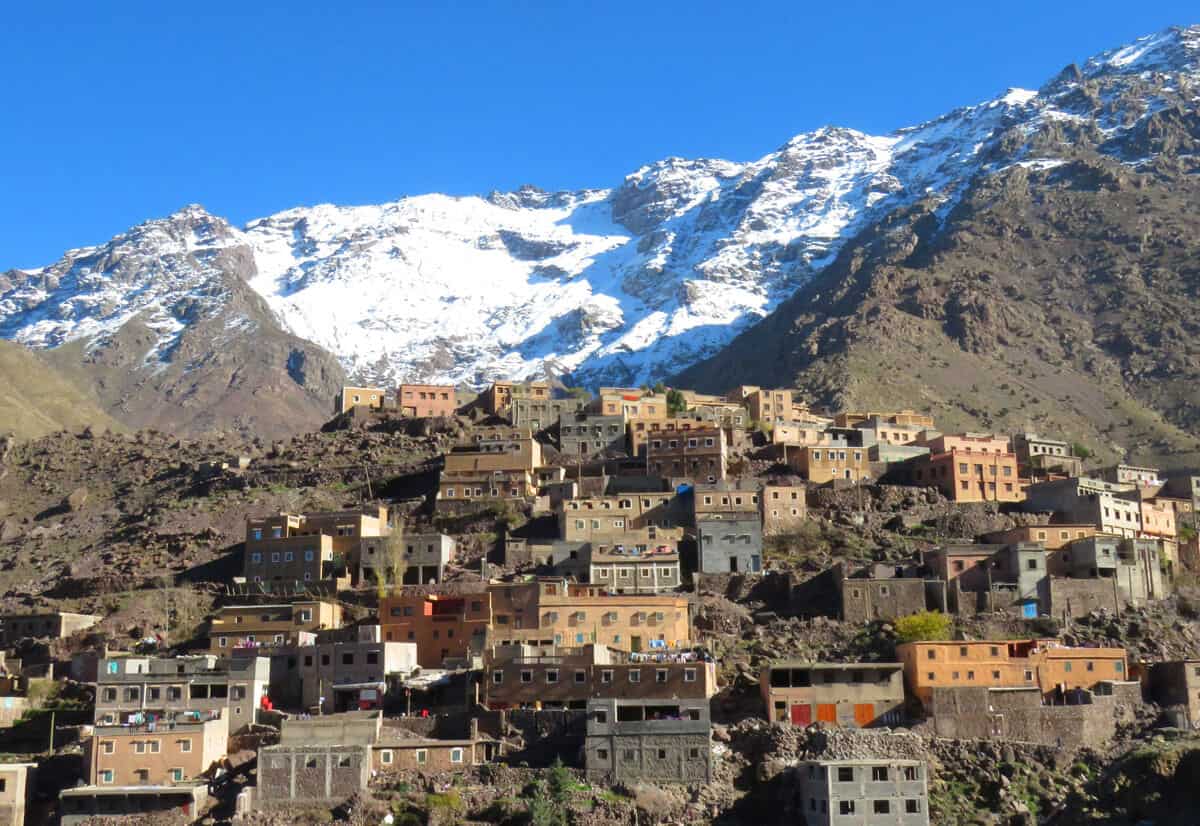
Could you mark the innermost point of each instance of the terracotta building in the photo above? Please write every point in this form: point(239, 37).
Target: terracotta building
point(969, 468)
point(289, 549)
point(426, 400)
point(699, 454)
point(443, 625)
point(517, 676)
point(764, 405)
point(852, 695)
point(554, 611)
point(156, 755)
point(1047, 664)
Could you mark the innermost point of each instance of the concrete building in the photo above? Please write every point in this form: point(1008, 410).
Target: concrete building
point(699, 455)
point(731, 497)
point(1105, 572)
point(538, 414)
point(352, 397)
point(418, 558)
point(852, 695)
point(17, 782)
point(311, 775)
point(83, 804)
point(882, 792)
point(853, 418)
point(53, 625)
point(1141, 477)
point(421, 401)
point(732, 544)
point(982, 578)
point(1080, 718)
point(648, 741)
point(1054, 538)
point(240, 626)
point(1114, 508)
point(764, 405)
point(641, 431)
point(634, 569)
point(299, 550)
point(443, 625)
point(353, 675)
point(497, 399)
point(1048, 665)
point(131, 688)
point(553, 611)
point(519, 676)
point(872, 595)
point(461, 486)
point(588, 434)
point(1038, 456)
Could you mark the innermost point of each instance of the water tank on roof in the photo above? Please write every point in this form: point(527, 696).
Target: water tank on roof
point(683, 490)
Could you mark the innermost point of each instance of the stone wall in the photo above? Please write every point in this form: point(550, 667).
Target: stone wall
point(1079, 597)
point(311, 774)
point(545, 734)
point(1019, 715)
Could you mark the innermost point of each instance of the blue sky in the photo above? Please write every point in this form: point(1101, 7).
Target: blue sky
point(111, 117)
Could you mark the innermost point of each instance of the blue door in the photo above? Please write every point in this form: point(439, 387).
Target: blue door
point(1029, 610)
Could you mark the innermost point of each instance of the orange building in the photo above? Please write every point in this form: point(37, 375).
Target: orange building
point(969, 467)
point(352, 397)
point(1046, 664)
point(426, 400)
point(1158, 519)
point(443, 625)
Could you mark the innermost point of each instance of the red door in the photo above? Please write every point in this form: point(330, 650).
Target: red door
point(801, 714)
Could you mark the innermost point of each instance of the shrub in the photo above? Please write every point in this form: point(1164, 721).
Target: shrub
point(927, 625)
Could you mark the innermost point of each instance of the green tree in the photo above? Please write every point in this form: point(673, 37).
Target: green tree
point(549, 798)
point(927, 625)
point(676, 404)
point(1081, 451)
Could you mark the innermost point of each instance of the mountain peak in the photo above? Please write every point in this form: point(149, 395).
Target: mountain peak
point(1176, 49)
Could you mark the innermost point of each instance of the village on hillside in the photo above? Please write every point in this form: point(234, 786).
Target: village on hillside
point(395, 644)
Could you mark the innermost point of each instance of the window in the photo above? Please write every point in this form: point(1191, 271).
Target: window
point(635, 675)
point(527, 676)
point(372, 658)
point(882, 807)
point(456, 755)
point(347, 659)
point(845, 807)
point(912, 806)
point(106, 776)
point(879, 774)
point(422, 757)
point(845, 774)
point(109, 746)
point(660, 675)
point(601, 716)
point(552, 675)
point(606, 676)
point(177, 775)
point(910, 773)
point(385, 757)
point(689, 675)
point(185, 745)
point(602, 754)
point(580, 676)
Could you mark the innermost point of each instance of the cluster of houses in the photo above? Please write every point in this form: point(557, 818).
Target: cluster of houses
point(583, 635)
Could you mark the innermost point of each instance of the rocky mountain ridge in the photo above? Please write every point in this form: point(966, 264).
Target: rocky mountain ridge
point(619, 285)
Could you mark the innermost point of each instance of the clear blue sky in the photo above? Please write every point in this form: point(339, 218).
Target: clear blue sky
point(111, 113)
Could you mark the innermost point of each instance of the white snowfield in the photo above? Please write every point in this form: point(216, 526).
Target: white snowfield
point(621, 285)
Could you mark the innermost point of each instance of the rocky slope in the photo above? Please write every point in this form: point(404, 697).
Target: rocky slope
point(36, 400)
point(1059, 291)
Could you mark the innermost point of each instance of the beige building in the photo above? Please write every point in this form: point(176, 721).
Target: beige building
point(699, 455)
point(52, 625)
point(634, 518)
point(641, 431)
point(239, 626)
point(784, 506)
point(628, 569)
point(16, 791)
point(630, 403)
point(352, 397)
point(764, 405)
point(552, 611)
point(155, 755)
point(426, 400)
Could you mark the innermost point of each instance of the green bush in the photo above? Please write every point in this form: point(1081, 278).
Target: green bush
point(927, 625)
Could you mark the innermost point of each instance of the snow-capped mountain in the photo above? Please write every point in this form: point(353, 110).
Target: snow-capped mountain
point(616, 285)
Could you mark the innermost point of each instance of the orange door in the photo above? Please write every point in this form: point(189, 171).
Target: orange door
point(827, 712)
point(801, 714)
point(864, 714)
